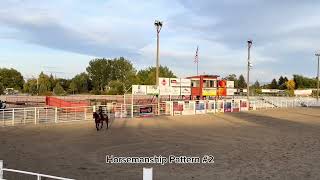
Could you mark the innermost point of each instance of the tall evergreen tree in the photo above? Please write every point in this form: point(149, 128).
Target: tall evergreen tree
point(242, 82)
point(274, 84)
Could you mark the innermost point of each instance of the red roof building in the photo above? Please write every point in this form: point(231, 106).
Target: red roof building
point(204, 86)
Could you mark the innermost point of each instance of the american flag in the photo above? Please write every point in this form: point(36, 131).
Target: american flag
point(196, 57)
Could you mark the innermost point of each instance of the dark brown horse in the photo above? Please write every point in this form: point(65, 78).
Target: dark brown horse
point(99, 118)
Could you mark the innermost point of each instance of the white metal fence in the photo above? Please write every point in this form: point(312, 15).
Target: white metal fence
point(38, 175)
point(39, 115)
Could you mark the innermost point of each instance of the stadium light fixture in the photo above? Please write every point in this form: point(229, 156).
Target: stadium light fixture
point(158, 24)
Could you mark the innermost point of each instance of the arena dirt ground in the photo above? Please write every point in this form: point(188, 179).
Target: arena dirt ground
point(269, 144)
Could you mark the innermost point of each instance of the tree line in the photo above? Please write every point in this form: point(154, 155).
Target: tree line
point(283, 83)
point(102, 76)
point(115, 76)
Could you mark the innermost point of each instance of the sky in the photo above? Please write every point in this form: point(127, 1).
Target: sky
point(62, 36)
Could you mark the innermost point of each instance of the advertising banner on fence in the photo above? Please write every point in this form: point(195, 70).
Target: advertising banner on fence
point(152, 90)
point(139, 89)
point(178, 107)
point(189, 108)
point(236, 106)
point(244, 105)
point(146, 111)
point(227, 106)
point(200, 107)
point(175, 82)
point(211, 107)
point(209, 91)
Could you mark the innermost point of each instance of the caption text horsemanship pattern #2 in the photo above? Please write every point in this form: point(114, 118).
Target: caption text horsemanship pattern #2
point(172, 159)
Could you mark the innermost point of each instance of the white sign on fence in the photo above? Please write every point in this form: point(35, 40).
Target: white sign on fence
point(185, 82)
point(175, 91)
point(164, 82)
point(152, 90)
point(179, 82)
point(139, 89)
point(185, 91)
point(230, 84)
point(231, 91)
point(175, 82)
point(165, 91)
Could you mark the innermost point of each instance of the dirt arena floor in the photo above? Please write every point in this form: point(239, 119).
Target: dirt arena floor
point(269, 144)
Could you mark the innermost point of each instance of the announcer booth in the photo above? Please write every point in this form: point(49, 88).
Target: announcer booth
point(207, 87)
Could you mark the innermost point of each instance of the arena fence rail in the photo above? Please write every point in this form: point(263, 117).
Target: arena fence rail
point(41, 115)
point(38, 175)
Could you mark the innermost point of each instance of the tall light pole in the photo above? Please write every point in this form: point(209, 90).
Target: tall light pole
point(318, 55)
point(248, 68)
point(158, 25)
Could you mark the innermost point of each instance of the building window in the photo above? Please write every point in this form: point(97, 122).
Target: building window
point(208, 83)
point(195, 83)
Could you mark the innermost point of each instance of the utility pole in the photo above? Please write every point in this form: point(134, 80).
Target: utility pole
point(248, 68)
point(158, 25)
point(318, 55)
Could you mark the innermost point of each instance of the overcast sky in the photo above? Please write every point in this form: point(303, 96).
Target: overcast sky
point(64, 35)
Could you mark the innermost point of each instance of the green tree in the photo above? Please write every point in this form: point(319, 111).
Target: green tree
point(274, 84)
point(115, 88)
point(256, 84)
point(58, 90)
point(11, 78)
point(256, 88)
point(242, 82)
point(304, 82)
point(103, 71)
point(31, 86)
point(65, 83)
point(44, 84)
point(81, 83)
point(52, 82)
point(282, 82)
point(1, 88)
point(73, 87)
point(100, 72)
point(148, 76)
point(123, 70)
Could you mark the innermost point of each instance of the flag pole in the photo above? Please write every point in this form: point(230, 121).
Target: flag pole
point(196, 60)
point(197, 68)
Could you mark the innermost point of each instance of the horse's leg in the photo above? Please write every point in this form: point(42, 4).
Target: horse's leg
point(101, 124)
point(107, 120)
point(97, 126)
